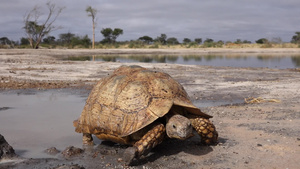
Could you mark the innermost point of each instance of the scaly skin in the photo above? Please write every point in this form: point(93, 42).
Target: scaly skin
point(205, 129)
point(142, 147)
point(87, 139)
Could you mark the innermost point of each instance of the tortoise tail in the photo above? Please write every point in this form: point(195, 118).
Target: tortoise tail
point(75, 123)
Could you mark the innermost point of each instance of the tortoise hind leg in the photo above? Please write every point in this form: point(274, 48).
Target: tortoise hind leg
point(205, 129)
point(142, 147)
point(87, 139)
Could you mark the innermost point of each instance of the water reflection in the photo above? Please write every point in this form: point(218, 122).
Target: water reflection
point(38, 120)
point(35, 120)
point(230, 60)
point(296, 61)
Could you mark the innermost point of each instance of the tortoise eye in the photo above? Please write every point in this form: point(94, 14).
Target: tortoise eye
point(174, 127)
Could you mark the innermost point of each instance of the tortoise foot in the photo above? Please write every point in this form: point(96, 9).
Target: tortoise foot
point(87, 139)
point(206, 130)
point(129, 155)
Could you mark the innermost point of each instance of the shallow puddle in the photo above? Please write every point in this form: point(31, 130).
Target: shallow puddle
point(36, 120)
point(277, 61)
point(32, 120)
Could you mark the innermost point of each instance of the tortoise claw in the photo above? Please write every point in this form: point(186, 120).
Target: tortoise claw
point(129, 155)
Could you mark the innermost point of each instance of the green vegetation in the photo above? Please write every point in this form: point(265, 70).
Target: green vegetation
point(70, 40)
point(35, 32)
point(296, 38)
point(186, 41)
point(198, 41)
point(262, 41)
point(172, 41)
point(110, 36)
point(162, 39)
point(146, 39)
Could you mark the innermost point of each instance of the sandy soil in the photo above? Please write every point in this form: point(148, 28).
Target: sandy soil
point(263, 134)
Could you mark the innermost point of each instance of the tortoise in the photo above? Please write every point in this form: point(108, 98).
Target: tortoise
point(140, 107)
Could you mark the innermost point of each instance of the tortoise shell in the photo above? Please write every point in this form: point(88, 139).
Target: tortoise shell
point(130, 99)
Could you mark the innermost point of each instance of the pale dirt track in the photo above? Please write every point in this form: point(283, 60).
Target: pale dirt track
point(258, 135)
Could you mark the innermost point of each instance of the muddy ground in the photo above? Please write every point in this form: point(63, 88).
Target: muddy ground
point(263, 132)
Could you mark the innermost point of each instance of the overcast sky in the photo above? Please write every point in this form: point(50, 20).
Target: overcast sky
point(215, 19)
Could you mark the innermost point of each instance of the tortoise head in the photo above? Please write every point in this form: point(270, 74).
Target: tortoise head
point(179, 127)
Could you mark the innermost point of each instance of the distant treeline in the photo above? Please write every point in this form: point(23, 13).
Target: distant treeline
point(70, 40)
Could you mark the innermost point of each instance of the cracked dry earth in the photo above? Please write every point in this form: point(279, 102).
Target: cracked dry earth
point(264, 134)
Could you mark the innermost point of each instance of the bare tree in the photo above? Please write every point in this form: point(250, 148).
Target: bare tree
point(36, 29)
point(92, 13)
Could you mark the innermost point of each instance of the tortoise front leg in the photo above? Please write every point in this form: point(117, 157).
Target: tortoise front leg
point(87, 139)
point(142, 147)
point(205, 129)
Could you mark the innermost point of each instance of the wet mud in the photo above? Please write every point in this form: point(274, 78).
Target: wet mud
point(262, 134)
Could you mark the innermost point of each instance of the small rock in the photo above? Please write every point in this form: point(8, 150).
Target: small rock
point(52, 151)
point(259, 145)
point(95, 154)
point(106, 151)
point(6, 151)
point(71, 151)
point(120, 159)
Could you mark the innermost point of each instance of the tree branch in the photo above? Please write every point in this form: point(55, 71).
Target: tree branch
point(36, 32)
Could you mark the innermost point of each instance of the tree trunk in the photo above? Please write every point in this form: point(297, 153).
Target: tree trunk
point(31, 43)
point(93, 43)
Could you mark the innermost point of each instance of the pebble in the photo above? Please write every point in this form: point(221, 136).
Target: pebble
point(52, 151)
point(71, 151)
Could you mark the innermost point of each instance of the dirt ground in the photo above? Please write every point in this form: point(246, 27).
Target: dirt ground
point(262, 131)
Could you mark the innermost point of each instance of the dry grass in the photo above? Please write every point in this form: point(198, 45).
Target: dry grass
point(252, 100)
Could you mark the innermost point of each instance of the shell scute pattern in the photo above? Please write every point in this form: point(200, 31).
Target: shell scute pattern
point(130, 99)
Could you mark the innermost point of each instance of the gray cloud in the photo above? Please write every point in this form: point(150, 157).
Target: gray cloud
point(218, 19)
